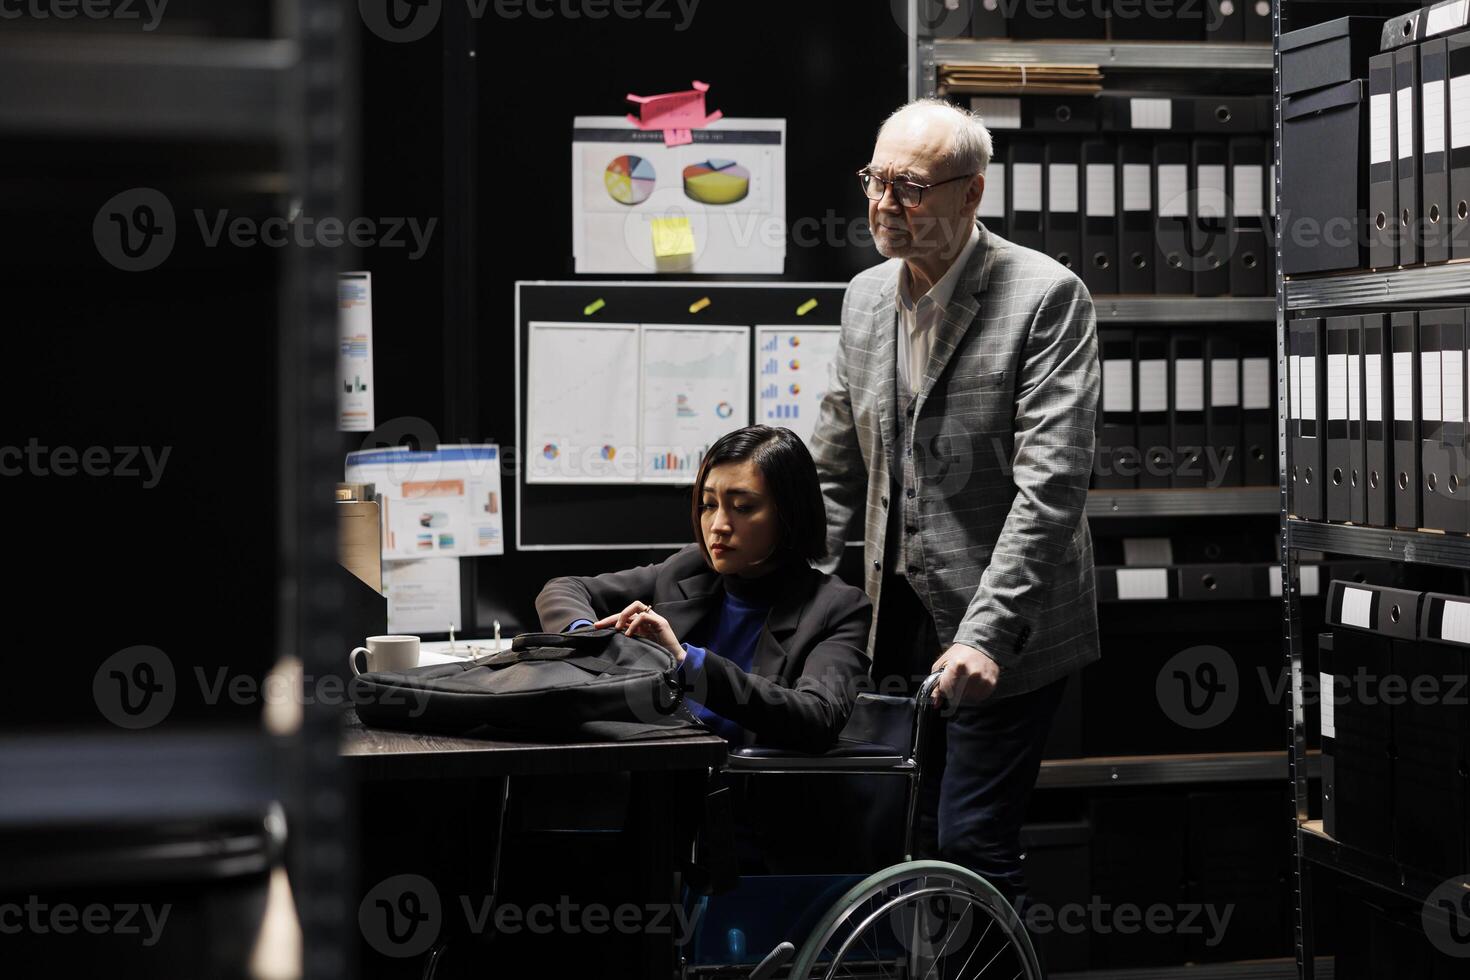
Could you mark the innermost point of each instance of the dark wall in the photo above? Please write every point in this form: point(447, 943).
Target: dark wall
point(832, 69)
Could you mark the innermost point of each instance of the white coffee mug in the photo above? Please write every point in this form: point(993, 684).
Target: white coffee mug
point(386, 653)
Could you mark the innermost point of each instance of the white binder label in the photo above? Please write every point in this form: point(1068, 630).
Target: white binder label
point(1143, 583)
point(1256, 383)
point(1211, 191)
point(1434, 116)
point(1357, 608)
point(1460, 111)
point(1136, 196)
point(1294, 376)
point(1026, 187)
point(1309, 578)
point(1380, 139)
point(1456, 623)
point(1336, 387)
point(1445, 17)
point(1373, 394)
point(1150, 113)
point(1189, 384)
point(1309, 389)
point(1249, 198)
point(1429, 383)
point(1117, 385)
point(1153, 385)
point(1101, 190)
point(997, 113)
point(1225, 382)
point(1354, 387)
point(1173, 190)
point(1062, 190)
point(1452, 371)
point(1325, 698)
point(1403, 382)
point(1406, 123)
point(993, 203)
point(1275, 581)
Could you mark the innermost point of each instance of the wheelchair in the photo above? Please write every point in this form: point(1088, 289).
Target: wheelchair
point(915, 919)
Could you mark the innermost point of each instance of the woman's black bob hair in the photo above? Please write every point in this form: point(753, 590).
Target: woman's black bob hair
point(791, 478)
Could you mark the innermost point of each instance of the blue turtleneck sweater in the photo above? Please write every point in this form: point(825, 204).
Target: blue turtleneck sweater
point(732, 633)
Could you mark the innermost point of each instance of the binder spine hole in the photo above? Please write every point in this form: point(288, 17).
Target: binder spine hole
point(1403, 481)
point(1139, 261)
point(1432, 482)
point(1064, 113)
point(1463, 210)
point(1393, 613)
point(1293, 474)
point(1373, 479)
point(1257, 453)
point(1065, 259)
point(1454, 484)
point(1249, 260)
point(1408, 30)
point(1353, 480)
point(1222, 113)
point(1381, 221)
point(1100, 259)
point(1404, 217)
point(1175, 260)
point(1337, 477)
point(1208, 582)
point(1307, 476)
point(1434, 214)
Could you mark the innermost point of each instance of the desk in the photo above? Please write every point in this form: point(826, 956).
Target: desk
point(668, 778)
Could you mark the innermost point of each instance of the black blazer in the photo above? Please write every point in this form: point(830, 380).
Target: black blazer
point(809, 662)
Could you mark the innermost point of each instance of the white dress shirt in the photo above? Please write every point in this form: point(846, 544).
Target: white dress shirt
point(918, 320)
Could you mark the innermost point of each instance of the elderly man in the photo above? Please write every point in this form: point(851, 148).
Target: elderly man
point(959, 424)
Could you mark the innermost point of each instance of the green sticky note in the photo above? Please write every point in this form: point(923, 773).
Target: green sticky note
point(671, 237)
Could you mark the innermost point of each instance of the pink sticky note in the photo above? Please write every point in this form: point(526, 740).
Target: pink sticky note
point(678, 137)
point(675, 112)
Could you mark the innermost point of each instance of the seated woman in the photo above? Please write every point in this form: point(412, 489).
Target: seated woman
point(773, 650)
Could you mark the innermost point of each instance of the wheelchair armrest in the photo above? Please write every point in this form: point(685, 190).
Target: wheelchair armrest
point(846, 754)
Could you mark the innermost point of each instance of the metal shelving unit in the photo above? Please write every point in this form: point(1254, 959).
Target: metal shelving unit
point(1158, 770)
point(1182, 503)
point(288, 93)
point(1184, 309)
point(1431, 283)
point(1418, 547)
point(1140, 55)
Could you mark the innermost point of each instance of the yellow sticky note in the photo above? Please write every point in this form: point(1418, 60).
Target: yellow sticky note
point(672, 236)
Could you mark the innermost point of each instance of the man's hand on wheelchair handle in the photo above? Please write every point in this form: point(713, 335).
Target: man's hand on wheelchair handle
point(967, 676)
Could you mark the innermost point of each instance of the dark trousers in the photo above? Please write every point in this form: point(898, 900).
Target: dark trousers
point(981, 761)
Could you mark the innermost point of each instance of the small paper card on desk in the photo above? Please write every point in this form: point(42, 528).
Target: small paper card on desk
point(672, 237)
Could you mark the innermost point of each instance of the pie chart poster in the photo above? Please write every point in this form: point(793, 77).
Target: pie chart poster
point(729, 185)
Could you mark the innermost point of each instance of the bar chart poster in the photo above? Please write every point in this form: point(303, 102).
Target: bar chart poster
point(696, 388)
point(582, 403)
point(792, 365)
point(355, 352)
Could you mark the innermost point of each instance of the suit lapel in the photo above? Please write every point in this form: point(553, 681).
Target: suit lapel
point(958, 315)
point(685, 614)
point(885, 379)
point(770, 649)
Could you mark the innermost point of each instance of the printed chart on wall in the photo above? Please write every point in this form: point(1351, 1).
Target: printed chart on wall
point(442, 502)
point(572, 367)
point(717, 204)
point(792, 366)
point(696, 384)
point(355, 352)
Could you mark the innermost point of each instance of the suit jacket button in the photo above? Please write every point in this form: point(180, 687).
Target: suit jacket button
point(883, 501)
point(877, 566)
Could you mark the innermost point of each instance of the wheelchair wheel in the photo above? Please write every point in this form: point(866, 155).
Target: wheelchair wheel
point(919, 919)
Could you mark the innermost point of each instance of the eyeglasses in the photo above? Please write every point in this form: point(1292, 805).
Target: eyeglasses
point(908, 192)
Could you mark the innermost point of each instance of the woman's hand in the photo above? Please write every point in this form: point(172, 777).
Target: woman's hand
point(639, 619)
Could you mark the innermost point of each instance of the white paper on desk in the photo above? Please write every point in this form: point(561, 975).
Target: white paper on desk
point(582, 403)
point(729, 182)
point(793, 368)
point(695, 388)
point(423, 595)
point(355, 352)
point(440, 502)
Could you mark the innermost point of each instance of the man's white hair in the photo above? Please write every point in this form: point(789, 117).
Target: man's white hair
point(971, 147)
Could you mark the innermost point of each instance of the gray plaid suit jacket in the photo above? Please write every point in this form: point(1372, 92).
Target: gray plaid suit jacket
point(1002, 447)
